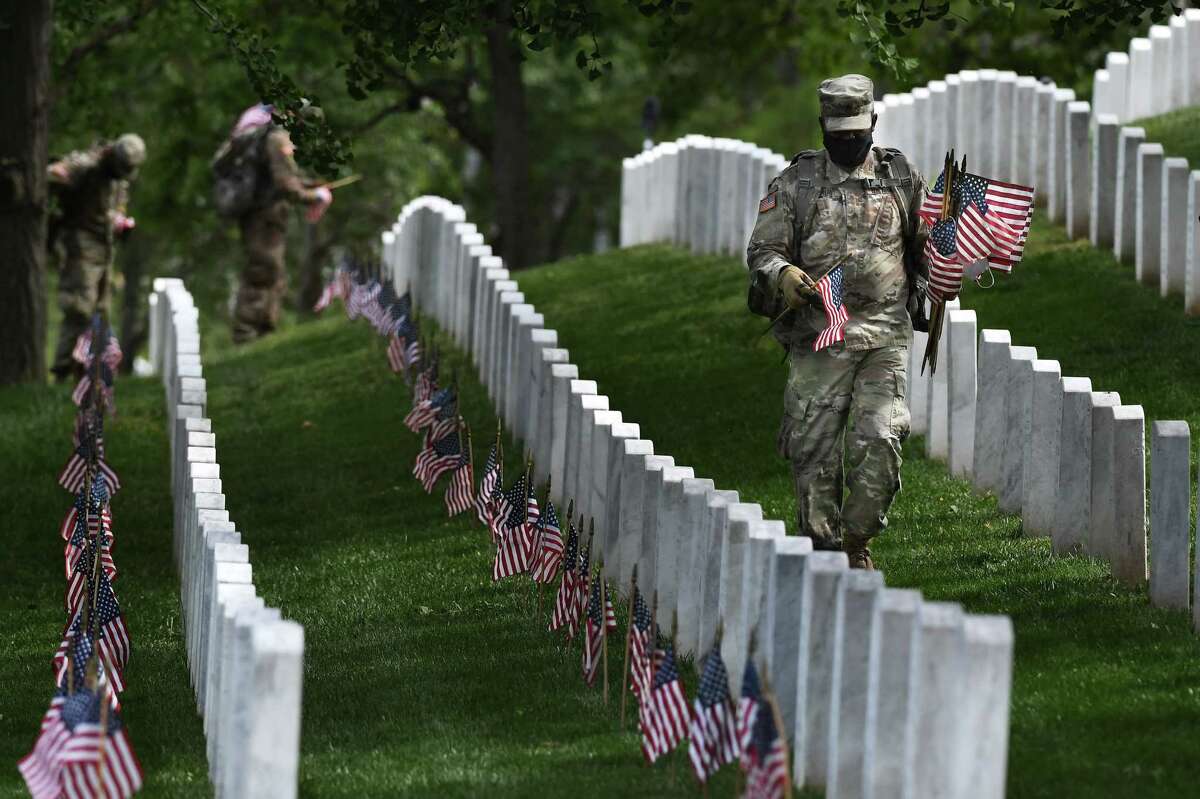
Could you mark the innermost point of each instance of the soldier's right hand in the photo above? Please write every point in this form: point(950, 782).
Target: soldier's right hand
point(797, 287)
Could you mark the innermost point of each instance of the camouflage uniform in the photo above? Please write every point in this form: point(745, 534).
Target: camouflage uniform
point(92, 192)
point(859, 384)
point(264, 276)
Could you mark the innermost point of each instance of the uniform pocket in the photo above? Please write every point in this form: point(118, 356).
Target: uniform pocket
point(888, 232)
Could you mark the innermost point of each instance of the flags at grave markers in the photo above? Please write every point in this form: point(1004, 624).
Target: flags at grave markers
point(488, 485)
point(748, 708)
point(82, 749)
point(548, 546)
point(764, 758)
point(512, 553)
point(460, 494)
point(713, 735)
point(600, 621)
point(664, 713)
point(564, 600)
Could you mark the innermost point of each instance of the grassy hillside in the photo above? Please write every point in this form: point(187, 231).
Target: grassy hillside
point(423, 678)
point(1100, 705)
point(1176, 132)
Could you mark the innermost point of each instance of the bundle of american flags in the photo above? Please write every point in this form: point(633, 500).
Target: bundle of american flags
point(978, 219)
point(82, 749)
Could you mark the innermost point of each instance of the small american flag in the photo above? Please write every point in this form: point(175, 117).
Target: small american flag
point(40, 768)
point(488, 488)
point(442, 404)
point(96, 758)
point(931, 207)
point(82, 559)
point(511, 552)
point(748, 708)
point(460, 494)
point(395, 354)
point(583, 576)
point(1007, 209)
point(548, 548)
point(444, 455)
point(713, 730)
point(601, 621)
point(640, 666)
point(830, 289)
point(664, 718)
point(564, 600)
point(767, 772)
point(73, 472)
point(945, 265)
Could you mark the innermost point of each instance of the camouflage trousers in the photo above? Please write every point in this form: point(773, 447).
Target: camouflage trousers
point(845, 417)
point(264, 275)
point(83, 289)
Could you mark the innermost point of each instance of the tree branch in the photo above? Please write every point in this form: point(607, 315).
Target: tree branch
point(66, 73)
point(453, 97)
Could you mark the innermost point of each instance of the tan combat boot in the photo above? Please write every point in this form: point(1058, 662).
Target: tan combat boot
point(857, 549)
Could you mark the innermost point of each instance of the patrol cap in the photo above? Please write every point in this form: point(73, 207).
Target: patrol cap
point(129, 152)
point(847, 103)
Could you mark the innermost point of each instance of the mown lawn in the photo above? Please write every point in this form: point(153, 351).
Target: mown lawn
point(423, 678)
point(1104, 701)
point(1175, 131)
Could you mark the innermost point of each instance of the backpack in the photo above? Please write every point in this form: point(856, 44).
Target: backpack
point(237, 173)
point(902, 187)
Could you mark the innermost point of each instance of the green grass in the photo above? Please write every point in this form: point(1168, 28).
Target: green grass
point(158, 705)
point(423, 678)
point(1175, 131)
point(1103, 698)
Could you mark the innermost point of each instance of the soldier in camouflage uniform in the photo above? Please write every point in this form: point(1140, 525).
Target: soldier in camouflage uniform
point(854, 205)
point(263, 228)
point(92, 188)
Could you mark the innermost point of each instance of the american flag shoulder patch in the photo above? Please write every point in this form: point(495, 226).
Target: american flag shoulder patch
point(767, 203)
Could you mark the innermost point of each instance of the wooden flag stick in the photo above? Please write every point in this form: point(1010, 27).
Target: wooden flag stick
point(604, 629)
point(674, 653)
point(628, 643)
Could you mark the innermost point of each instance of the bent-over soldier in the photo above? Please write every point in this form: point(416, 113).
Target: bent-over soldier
point(92, 189)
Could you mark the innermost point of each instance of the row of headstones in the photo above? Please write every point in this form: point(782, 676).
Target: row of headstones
point(882, 693)
point(1069, 459)
point(1101, 180)
point(244, 660)
point(1159, 73)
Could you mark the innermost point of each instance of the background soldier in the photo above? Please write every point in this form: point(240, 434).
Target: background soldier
point(271, 181)
point(92, 187)
point(851, 205)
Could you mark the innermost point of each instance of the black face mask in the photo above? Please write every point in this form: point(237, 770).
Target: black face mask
point(848, 151)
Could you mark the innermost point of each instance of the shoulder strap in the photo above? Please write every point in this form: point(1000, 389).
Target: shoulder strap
point(900, 181)
point(804, 164)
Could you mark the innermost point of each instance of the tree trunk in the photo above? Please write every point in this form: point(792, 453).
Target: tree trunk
point(510, 146)
point(24, 94)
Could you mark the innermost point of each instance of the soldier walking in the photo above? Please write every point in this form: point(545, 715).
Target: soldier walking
point(256, 181)
point(848, 211)
point(92, 189)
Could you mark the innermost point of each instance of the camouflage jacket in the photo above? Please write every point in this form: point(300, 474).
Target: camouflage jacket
point(848, 222)
point(283, 174)
point(88, 198)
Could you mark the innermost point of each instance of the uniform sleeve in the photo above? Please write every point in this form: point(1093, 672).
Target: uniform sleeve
point(770, 249)
point(284, 172)
point(920, 225)
point(68, 173)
